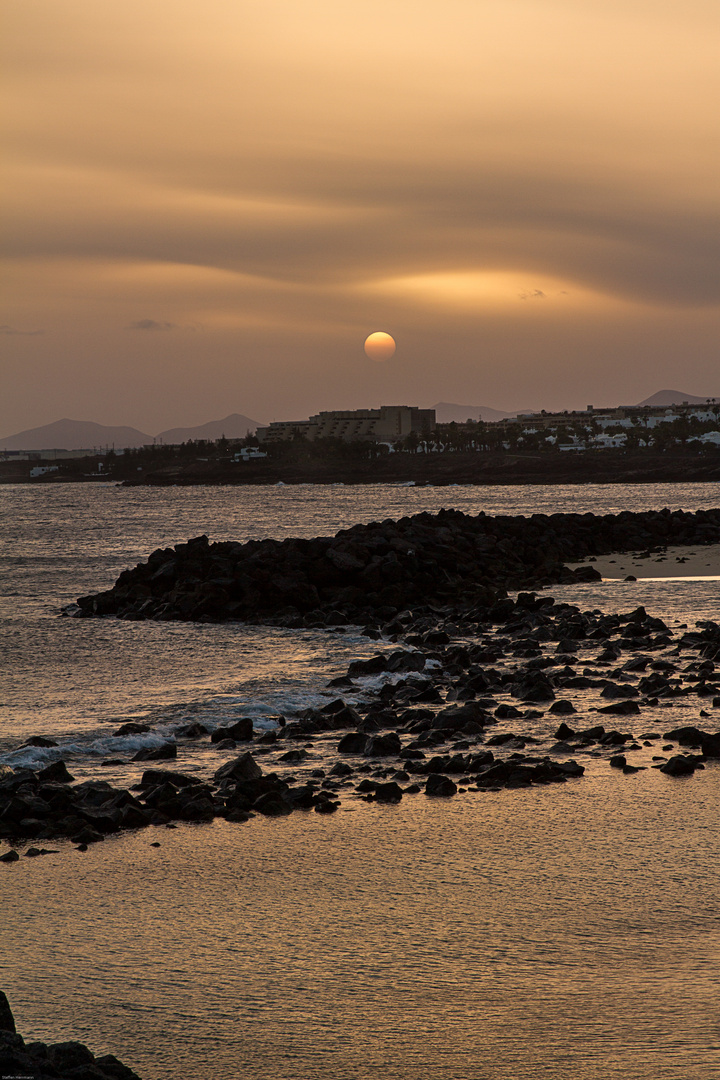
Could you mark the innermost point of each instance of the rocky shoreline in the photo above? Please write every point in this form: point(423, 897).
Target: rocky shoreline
point(381, 568)
point(469, 662)
point(52, 1061)
point(474, 701)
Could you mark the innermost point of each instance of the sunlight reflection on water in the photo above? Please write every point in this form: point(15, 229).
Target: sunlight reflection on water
point(569, 932)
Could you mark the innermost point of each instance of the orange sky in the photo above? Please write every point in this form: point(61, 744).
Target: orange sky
point(212, 205)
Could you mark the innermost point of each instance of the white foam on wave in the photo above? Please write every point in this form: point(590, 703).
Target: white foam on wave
point(39, 757)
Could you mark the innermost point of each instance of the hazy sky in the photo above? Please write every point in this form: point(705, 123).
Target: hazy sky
point(211, 205)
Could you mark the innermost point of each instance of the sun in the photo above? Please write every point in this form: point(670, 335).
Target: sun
point(380, 346)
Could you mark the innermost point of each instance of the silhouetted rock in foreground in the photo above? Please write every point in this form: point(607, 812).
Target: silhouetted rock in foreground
point(58, 1061)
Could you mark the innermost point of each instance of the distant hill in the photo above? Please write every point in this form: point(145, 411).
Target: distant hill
point(446, 413)
point(235, 426)
point(84, 434)
point(674, 397)
point(74, 435)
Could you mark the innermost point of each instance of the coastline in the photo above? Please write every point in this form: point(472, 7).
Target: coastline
point(674, 561)
point(463, 838)
point(435, 585)
point(481, 469)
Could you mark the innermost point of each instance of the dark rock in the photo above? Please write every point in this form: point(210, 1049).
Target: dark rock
point(619, 690)
point(196, 809)
point(132, 729)
point(9, 856)
point(7, 1021)
point(325, 806)
point(115, 1069)
point(155, 777)
point(679, 765)
point(571, 768)
point(383, 745)
point(686, 736)
point(562, 708)
point(614, 738)
point(353, 743)
point(272, 804)
point(39, 740)
point(587, 573)
point(294, 755)
point(57, 772)
point(70, 1055)
point(242, 768)
point(166, 752)
point(388, 793)
point(710, 745)
point(373, 666)
point(532, 686)
point(241, 731)
point(507, 712)
point(88, 835)
point(622, 708)
point(192, 731)
point(439, 786)
point(405, 660)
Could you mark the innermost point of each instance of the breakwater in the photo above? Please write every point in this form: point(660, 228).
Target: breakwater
point(377, 569)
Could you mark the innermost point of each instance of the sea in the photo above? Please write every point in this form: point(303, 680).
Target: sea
point(567, 932)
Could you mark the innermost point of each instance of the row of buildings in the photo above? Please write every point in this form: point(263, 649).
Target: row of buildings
point(625, 416)
point(391, 423)
point(386, 424)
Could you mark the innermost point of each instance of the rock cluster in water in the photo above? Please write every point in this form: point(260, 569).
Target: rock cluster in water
point(58, 1061)
point(448, 558)
point(434, 725)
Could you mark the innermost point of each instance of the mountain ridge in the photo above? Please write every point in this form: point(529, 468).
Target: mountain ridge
point(673, 397)
point(70, 434)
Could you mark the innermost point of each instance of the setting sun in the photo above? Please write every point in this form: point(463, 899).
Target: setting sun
point(380, 346)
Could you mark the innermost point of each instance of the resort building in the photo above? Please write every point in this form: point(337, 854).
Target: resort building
point(386, 424)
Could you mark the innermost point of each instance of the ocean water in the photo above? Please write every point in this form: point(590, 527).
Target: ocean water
point(566, 931)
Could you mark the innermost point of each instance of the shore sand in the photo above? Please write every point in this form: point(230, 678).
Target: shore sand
point(697, 561)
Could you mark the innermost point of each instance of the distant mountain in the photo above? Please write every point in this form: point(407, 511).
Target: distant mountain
point(446, 413)
point(235, 426)
point(85, 435)
point(74, 435)
point(673, 397)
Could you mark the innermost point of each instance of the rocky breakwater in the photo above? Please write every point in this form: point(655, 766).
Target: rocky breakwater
point(448, 558)
point(52, 1061)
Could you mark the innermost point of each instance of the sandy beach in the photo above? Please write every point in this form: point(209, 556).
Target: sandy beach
point(696, 561)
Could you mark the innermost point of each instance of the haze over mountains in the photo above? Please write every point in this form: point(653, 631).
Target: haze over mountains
point(84, 434)
point(675, 397)
point(448, 413)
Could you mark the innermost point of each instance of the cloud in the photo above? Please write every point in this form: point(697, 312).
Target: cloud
point(22, 333)
point(288, 177)
point(151, 324)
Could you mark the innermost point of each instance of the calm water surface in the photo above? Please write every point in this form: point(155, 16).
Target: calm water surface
point(571, 931)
